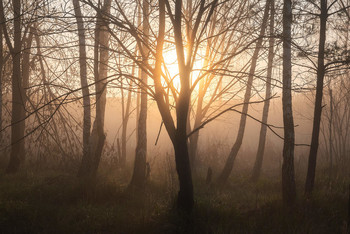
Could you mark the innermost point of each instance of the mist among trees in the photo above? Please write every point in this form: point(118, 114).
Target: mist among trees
point(204, 116)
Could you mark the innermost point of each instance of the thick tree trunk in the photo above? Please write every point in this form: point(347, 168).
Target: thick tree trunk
point(18, 111)
point(263, 128)
point(83, 78)
point(139, 176)
point(237, 145)
point(310, 178)
point(182, 159)
point(288, 180)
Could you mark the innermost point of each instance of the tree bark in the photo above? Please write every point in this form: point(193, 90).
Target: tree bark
point(90, 163)
point(237, 145)
point(18, 111)
point(83, 78)
point(1, 79)
point(310, 178)
point(125, 116)
point(185, 196)
point(288, 180)
point(198, 119)
point(139, 176)
point(263, 128)
point(330, 136)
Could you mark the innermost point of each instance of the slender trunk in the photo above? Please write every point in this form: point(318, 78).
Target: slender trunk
point(138, 93)
point(195, 137)
point(1, 78)
point(125, 127)
point(18, 111)
point(288, 180)
point(125, 119)
point(90, 164)
point(26, 64)
point(139, 176)
point(199, 111)
point(310, 178)
point(263, 128)
point(83, 78)
point(237, 145)
point(330, 136)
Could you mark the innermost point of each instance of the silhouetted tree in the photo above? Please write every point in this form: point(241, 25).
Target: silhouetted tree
point(91, 162)
point(263, 128)
point(239, 139)
point(139, 175)
point(18, 106)
point(83, 78)
point(288, 180)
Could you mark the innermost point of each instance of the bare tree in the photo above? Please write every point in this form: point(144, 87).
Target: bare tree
point(288, 179)
point(263, 128)
point(91, 162)
point(18, 108)
point(83, 78)
point(139, 176)
point(239, 139)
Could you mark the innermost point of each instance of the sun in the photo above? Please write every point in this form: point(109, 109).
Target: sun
point(171, 68)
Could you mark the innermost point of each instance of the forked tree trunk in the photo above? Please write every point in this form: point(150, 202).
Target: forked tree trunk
point(139, 176)
point(18, 111)
point(310, 178)
point(237, 145)
point(127, 112)
point(288, 180)
point(90, 163)
point(83, 78)
point(263, 128)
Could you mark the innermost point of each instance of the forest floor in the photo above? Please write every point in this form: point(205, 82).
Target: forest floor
point(52, 202)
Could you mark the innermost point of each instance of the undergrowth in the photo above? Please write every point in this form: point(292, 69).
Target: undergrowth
point(52, 202)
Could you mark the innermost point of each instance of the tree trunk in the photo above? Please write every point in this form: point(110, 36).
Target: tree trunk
point(310, 178)
point(263, 128)
point(237, 145)
point(27, 44)
point(90, 163)
point(139, 176)
point(330, 136)
point(18, 111)
point(288, 180)
point(1, 79)
point(195, 136)
point(183, 167)
point(83, 78)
